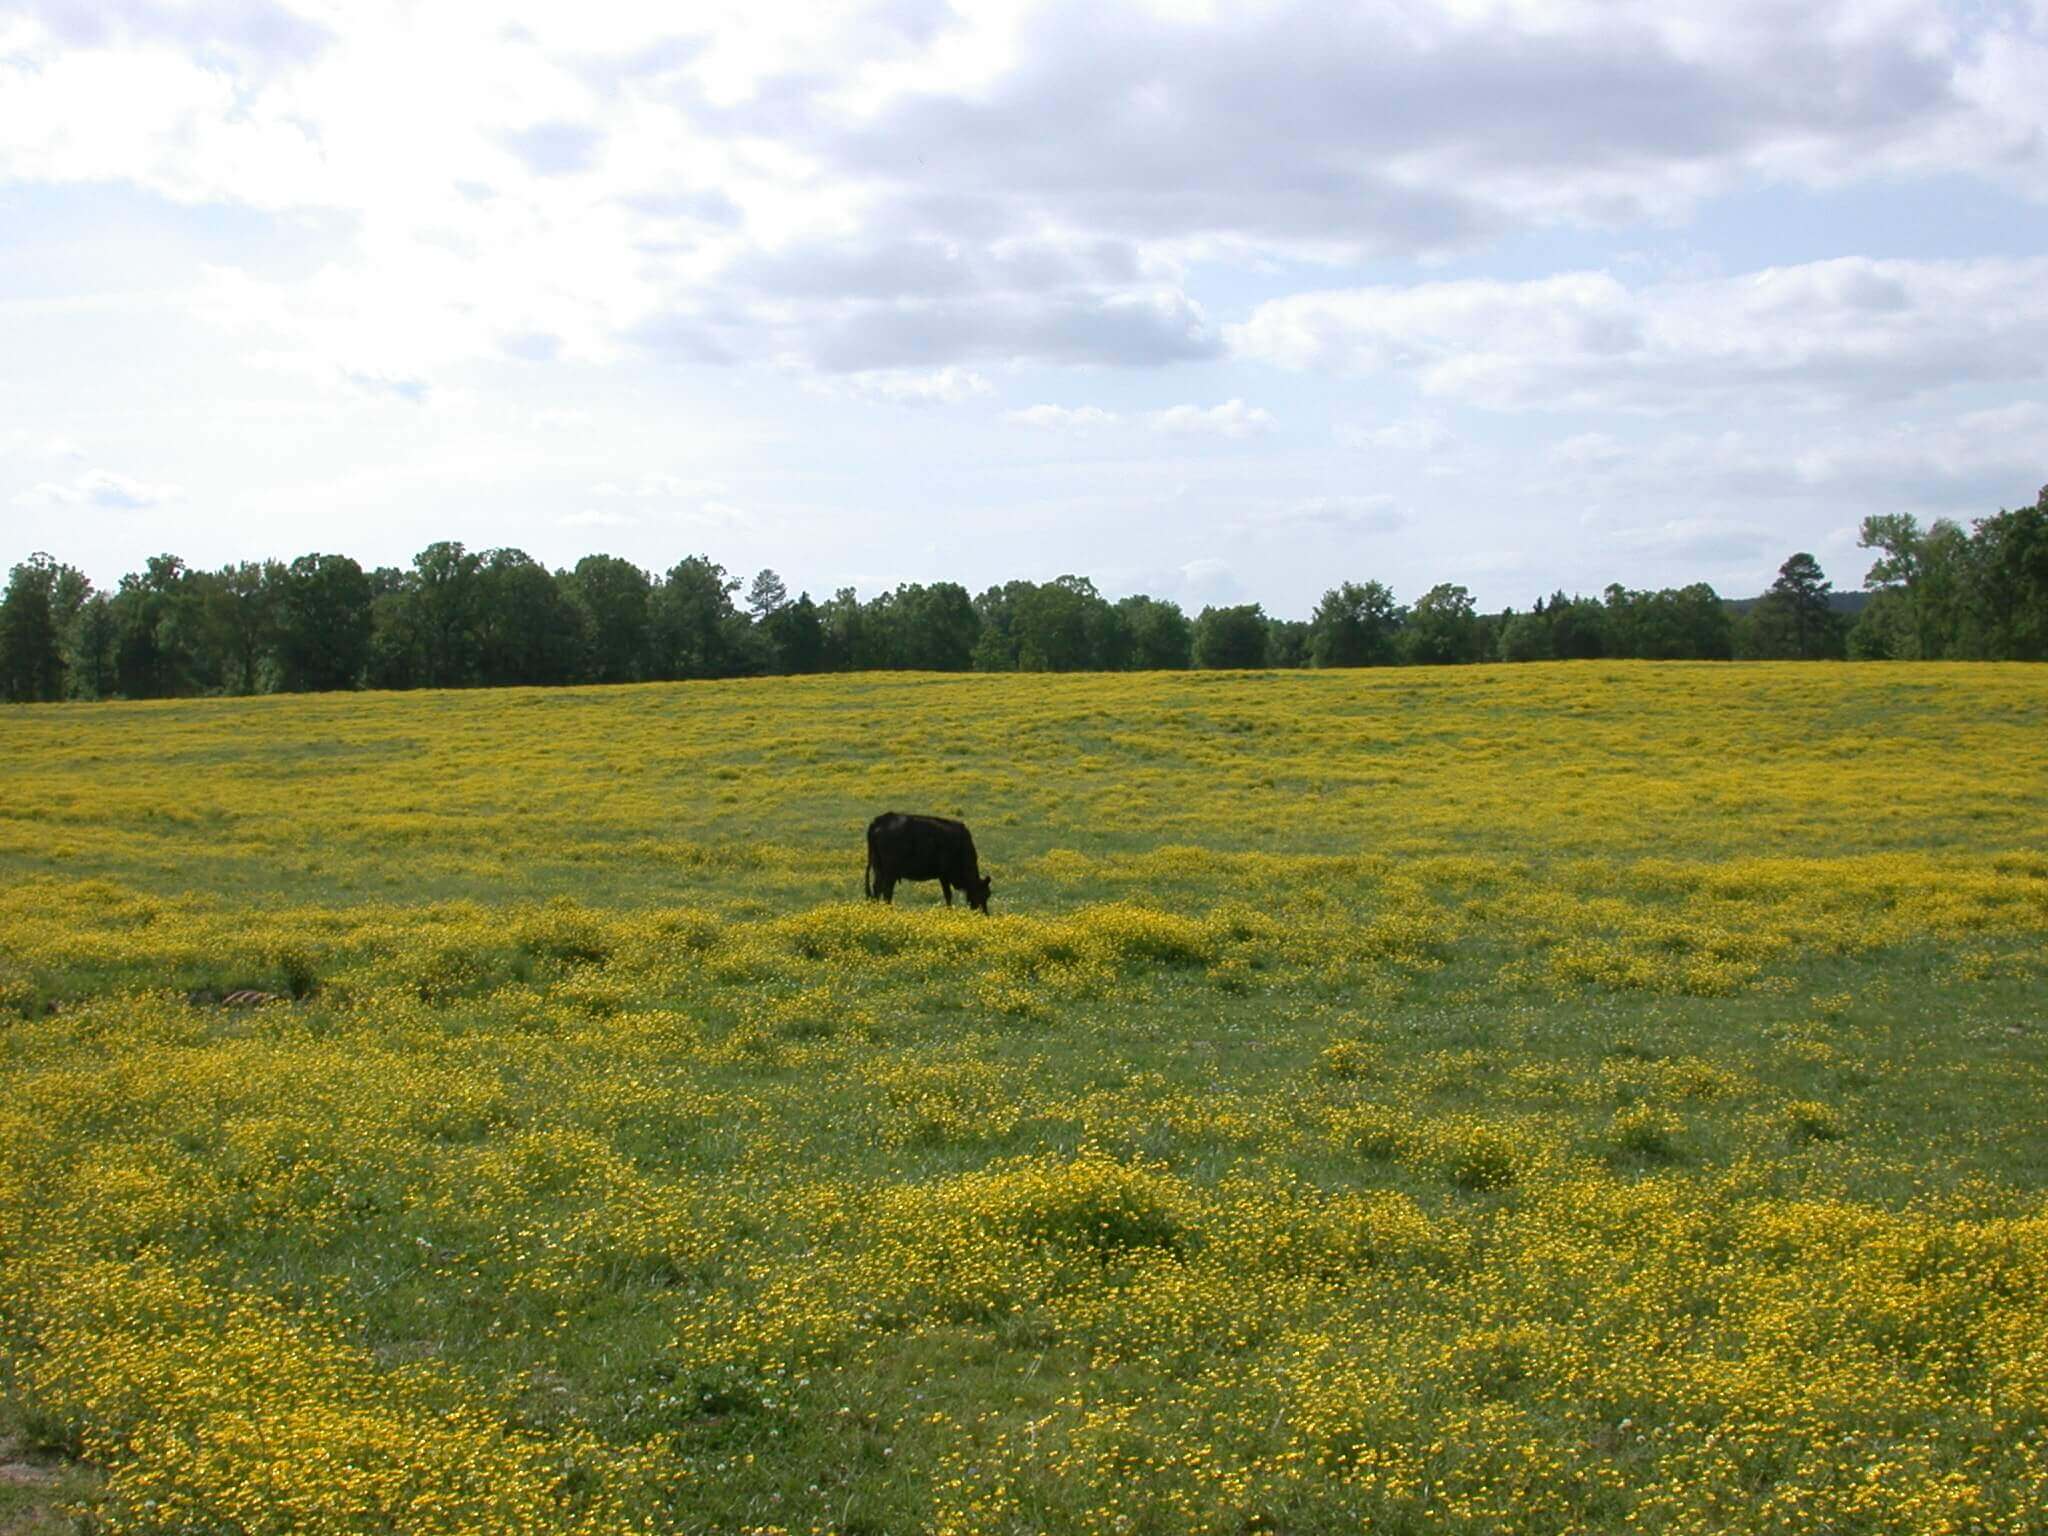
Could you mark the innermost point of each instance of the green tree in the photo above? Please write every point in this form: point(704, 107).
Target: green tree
point(1947, 590)
point(1110, 642)
point(31, 654)
point(70, 592)
point(1231, 637)
point(238, 607)
point(766, 595)
point(89, 647)
point(1700, 621)
point(1161, 638)
point(995, 650)
point(1525, 637)
point(1622, 612)
point(1356, 626)
point(2009, 562)
point(1577, 625)
point(1442, 627)
point(1487, 629)
point(1287, 643)
point(693, 620)
point(1794, 619)
point(1697, 622)
point(1884, 630)
point(749, 652)
point(397, 648)
point(324, 618)
point(939, 627)
point(844, 621)
point(1930, 567)
point(156, 643)
point(1056, 625)
point(527, 632)
point(1673, 624)
point(612, 598)
point(797, 636)
point(443, 622)
point(882, 637)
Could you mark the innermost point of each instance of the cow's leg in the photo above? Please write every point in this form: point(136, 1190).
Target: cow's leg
point(946, 889)
point(886, 889)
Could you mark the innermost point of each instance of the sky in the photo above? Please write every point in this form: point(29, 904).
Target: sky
point(1220, 302)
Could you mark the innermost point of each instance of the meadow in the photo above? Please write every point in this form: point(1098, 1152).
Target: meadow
point(1566, 1098)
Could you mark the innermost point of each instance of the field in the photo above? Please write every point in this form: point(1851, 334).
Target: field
point(1578, 1098)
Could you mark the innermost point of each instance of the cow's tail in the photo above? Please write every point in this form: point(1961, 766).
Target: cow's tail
point(867, 879)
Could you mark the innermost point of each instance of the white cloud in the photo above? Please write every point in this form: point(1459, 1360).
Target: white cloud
point(1963, 466)
point(1063, 418)
point(57, 447)
point(411, 390)
point(716, 514)
point(596, 517)
point(464, 294)
point(101, 488)
point(145, 114)
point(658, 485)
point(1227, 420)
point(1816, 335)
point(565, 418)
point(889, 185)
point(1372, 513)
point(938, 386)
point(1587, 449)
point(1233, 419)
point(1210, 581)
point(1696, 540)
point(1421, 437)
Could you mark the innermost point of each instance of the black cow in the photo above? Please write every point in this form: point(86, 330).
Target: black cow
point(924, 848)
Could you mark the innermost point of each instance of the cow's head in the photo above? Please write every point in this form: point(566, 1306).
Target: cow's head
point(977, 894)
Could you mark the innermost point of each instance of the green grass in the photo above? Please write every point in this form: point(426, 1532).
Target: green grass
point(1281, 1185)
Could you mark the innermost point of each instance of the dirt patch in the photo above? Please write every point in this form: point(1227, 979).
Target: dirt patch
point(36, 1492)
point(240, 997)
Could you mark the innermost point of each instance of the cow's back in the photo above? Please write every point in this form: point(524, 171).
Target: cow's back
point(921, 847)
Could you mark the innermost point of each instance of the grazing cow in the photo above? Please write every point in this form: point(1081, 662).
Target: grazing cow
point(924, 848)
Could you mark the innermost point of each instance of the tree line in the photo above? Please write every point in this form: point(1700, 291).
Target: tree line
point(461, 618)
